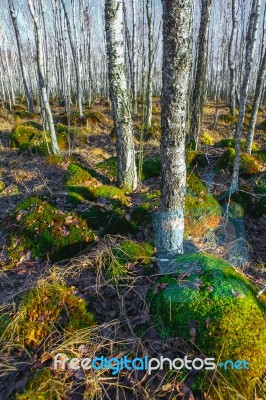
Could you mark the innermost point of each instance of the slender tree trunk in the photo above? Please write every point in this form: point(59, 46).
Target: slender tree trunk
point(127, 172)
point(200, 78)
point(176, 74)
point(42, 85)
point(148, 114)
point(257, 98)
point(75, 60)
point(20, 51)
point(232, 61)
point(250, 49)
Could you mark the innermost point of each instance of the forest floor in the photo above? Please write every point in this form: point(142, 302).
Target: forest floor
point(120, 308)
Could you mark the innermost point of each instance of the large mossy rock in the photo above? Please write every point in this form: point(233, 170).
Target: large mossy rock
point(230, 322)
point(30, 136)
point(202, 211)
point(47, 231)
point(41, 310)
point(249, 164)
point(231, 143)
point(85, 184)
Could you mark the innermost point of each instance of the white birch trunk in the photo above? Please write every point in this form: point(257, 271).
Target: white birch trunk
point(42, 85)
point(127, 172)
point(176, 74)
point(250, 49)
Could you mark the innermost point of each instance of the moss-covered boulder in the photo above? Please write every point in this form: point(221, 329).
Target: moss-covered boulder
point(249, 164)
point(202, 211)
point(231, 142)
point(30, 136)
point(107, 221)
point(82, 185)
point(47, 231)
point(120, 258)
point(46, 307)
point(219, 304)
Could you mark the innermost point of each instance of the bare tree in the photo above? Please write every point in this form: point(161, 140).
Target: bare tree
point(148, 113)
point(258, 94)
point(20, 52)
point(176, 73)
point(42, 84)
point(127, 172)
point(232, 60)
point(250, 49)
point(200, 78)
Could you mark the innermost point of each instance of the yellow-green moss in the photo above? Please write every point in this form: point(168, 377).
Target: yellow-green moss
point(225, 143)
point(30, 136)
point(249, 164)
point(82, 185)
point(50, 232)
point(44, 308)
point(207, 139)
point(236, 327)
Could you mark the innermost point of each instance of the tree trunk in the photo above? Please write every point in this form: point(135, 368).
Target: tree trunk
point(175, 75)
point(250, 49)
point(200, 79)
point(257, 98)
point(232, 61)
point(42, 85)
point(75, 60)
point(148, 114)
point(127, 172)
point(20, 51)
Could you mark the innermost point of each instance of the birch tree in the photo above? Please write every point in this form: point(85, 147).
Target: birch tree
point(232, 60)
point(148, 114)
point(258, 94)
point(127, 172)
point(41, 77)
point(175, 75)
point(75, 55)
point(200, 77)
point(250, 49)
point(20, 54)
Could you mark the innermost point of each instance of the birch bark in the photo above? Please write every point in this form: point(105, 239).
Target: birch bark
point(127, 173)
point(20, 52)
point(250, 49)
point(232, 61)
point(42, 85)
point(174, 102)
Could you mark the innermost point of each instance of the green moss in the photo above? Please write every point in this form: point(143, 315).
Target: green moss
point(202, 211)
point(249, 164)
point(118, 261)
point(207, 139)
point(24, 114)
point(151, 168)
point(236, 327)
point(112, 222)
point(78, 175)
point(2, 185)
point(225, 143)
point(41, 310)
point(109, 167)
point(50, 232)
point(261, 155)
point(30, 136)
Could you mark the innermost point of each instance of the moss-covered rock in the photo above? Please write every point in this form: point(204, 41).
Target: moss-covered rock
point(85, 184)
point(118, 261)
point(45, 307)
point(30, 136)
point(48, 231)
point(230, 323)
point(249, 164)
point(202, 211)
point(225, 143)
point(106, 221)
